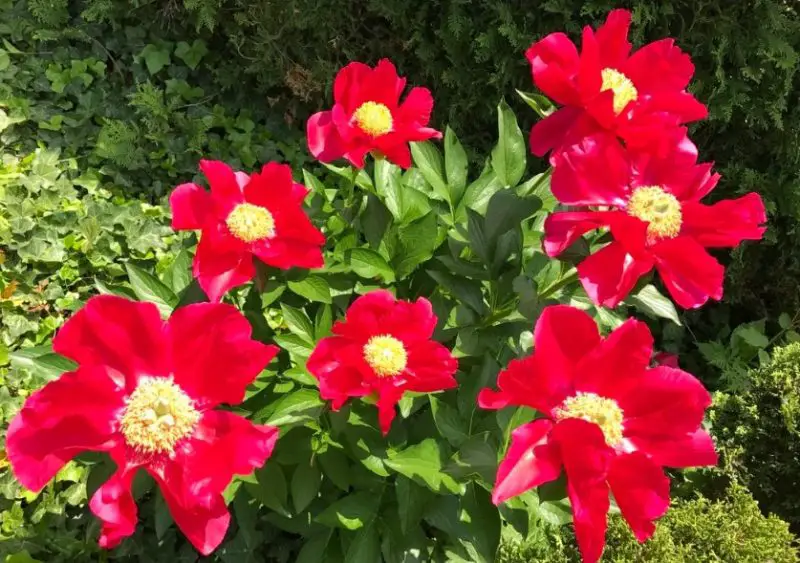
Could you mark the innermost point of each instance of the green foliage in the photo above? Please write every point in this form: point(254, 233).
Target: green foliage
point(759, 433)
point(693, 531)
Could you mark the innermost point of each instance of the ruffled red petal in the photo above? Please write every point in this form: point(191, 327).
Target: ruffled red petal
point(225, 189)
point(593, 172)
point(113, 502)
point(125, 335)
point(618, 362)
point(690, 273)
point(416, 108)
point(641, 490)
point(612, 38)
point(430, 367)
point(554, 64)
point(564, 228)
point(526, 382)
point(689, 450)
point(213, 354)
point(347, 85)
point(191, 207)
point(610, 274)
point(562, 337)
point(75, 413)
point(554, 131)
point(530, 461)
point(322, 136)
point(221, 262)
point(726, 223)
point(337, 380)
point(659, 66)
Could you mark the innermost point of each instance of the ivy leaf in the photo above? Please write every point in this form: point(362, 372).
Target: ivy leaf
point(652, 303)
point(509, 155)
point(155, 58)
point(147, 287)
point(351, 512)
point(313, 288)
point(191, 55)
point(423, 463)
point(369, 264)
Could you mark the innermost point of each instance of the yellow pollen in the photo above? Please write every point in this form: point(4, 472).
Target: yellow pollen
point(373, 118)
point(659, 209)
point(598, 410)
point(158, 414)
point(386, 355)
point(250, 223)
point(621, 85)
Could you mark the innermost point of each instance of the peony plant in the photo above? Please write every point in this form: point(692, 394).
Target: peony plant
point(436, 282)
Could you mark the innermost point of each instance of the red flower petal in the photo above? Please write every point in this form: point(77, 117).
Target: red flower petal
point(347, 86)
point(526, 382)
point(554, 130)
point(726, 223)
point(337, 381)
point(112, 331)
point(270, 187)
point(191, 207)
point(113, 503)
point(69, 415)
point(562, 337)
point(564, 228)
point(388, 397)
point(594, 172)
point(529, 462)
point(416, 108)
point(322, 135)
point(691, 450)
point(214, 357)
point(398, 154)
point(554, 64)
point(659, 66)
point(681, 105)
point(618, 361)
point(610, 274)
point(665, 402)
point(690, 273)
point(225, 188)
point(221, 263)
point(641, 490)
point(383, 85)
point(590, 506)
point(612, 37)
point(430, 367)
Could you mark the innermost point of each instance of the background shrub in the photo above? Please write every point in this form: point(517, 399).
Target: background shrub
point(758, 432)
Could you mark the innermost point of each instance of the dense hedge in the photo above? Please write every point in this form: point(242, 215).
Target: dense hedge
point(694, 531)
point(759, 433)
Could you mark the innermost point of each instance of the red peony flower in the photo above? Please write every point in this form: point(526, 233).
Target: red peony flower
point(367, 116)
point(384, 347)
point(652, 207)
point(641, 96)
point(145, 391)
point(610, 422)
point(243, 217)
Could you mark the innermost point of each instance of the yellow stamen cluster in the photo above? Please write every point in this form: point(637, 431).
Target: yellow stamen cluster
point(659, 209)
point(158, 414)
point(373, 118)
point(250, 223)
point(624, 90)
point(602, 411)
point(386, 355)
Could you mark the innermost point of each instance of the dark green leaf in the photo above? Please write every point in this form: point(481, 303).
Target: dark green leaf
point(298, 406)
point(315, 549)
point(305, 485)
point(147, 287)
point(417, 241)
point(323, 322)
point(423, 463)
point(369, 264)
point(455, 165)
point(270, 488)
point(366, 547)
point(42, 361)
point(298, 322)
point(155, 58)
point(506, 212)
point(313, 288)
point(163, 518)
point(466, 290)
point(336, 467)
point(411, 502)
point(448, 422)
point(351, 512)
point(509, 155)
point(191, 55)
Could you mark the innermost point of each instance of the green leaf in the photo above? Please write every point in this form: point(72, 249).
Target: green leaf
point(147, 287)
point(336, 467)
point(652, 303)
point(417, 241)
point(428, 160)
point(163, 518)
point(369, 264)
point(323, 322)
point(351, 512)
point(191, 55)
point(455, 165)
point(306, 482)
point(475, 459)
point(41, 360)
point(752, 336)
point(300, 406)
point(315, 549)
point(298, 347)
point(313, 288)
point(179, 275)
point(270, 488)
point(785, 321)
point(509, 155)
point(538, 103)
point(298, 322)
point(411, 502)
point(21, 557)
point(3, 354)
point(506, 212)
point(423, 463)
point(366, 547)
point(448, 422)
point(463, 289)
point(155, 58)
point(555, 512)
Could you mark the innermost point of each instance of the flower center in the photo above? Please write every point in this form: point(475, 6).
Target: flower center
point(659, 209)
point(621, 85)
point(373, 118)
point(593, 408)
point(157, 415)
point(386, 355)
point(250, 222)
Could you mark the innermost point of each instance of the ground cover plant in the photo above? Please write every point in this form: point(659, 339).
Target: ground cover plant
point(391, 354)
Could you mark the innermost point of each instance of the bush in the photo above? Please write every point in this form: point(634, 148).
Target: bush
point(693, 531)
point(759, 433)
